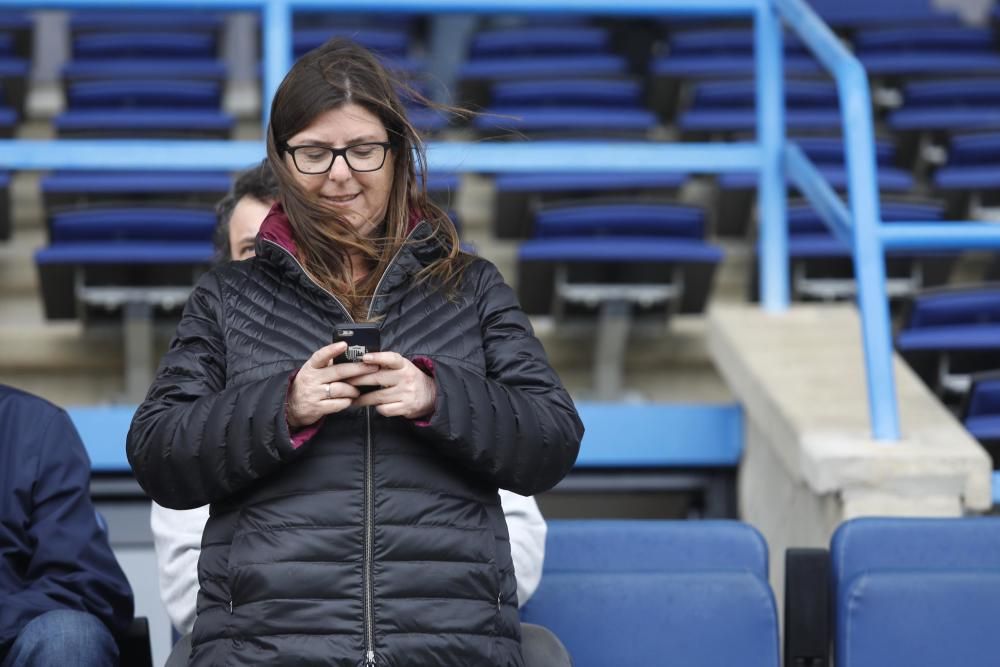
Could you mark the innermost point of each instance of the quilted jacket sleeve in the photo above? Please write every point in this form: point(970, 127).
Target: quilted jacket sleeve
point(516, 426)
point(193, 440)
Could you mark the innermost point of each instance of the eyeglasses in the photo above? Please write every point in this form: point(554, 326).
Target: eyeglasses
point(319, 159)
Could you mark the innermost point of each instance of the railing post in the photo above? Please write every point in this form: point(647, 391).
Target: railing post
point(869, 254)
point(772, 187)
point(276, 26)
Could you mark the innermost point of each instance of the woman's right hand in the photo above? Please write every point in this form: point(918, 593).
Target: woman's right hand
point(319, 388)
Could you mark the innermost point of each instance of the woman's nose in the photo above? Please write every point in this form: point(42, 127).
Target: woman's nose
point(339, 170)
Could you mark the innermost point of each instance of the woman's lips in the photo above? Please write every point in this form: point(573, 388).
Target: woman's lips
point(340, 199)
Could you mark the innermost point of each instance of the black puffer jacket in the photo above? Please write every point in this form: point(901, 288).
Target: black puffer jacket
point(379, 540)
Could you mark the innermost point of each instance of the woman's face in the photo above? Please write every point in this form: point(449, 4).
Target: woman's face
point(360, 197)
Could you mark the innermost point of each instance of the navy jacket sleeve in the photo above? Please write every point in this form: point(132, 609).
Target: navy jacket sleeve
point(71, 565)
point(194, 440)
point(517, 426)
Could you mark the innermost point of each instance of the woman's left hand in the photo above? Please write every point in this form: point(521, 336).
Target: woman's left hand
point(404, 390)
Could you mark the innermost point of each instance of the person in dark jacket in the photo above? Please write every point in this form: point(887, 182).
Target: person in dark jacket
point(62, 593)
point(345, 528)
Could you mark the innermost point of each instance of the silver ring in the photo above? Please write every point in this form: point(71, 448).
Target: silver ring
point(327, 388)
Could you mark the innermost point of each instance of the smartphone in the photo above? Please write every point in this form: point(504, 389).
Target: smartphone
point(361, 338)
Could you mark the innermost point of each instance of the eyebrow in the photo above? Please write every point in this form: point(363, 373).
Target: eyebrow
point(363, 139)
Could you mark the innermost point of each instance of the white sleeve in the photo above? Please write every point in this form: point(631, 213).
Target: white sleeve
point(177, 540)
point(527, 541)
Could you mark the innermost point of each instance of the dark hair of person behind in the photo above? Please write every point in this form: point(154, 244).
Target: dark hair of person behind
point(338, 73)
point(257, 182)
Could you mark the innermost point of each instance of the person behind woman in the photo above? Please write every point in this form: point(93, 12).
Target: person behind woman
point(346, 528)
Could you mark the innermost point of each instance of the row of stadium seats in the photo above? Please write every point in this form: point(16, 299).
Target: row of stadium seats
point(632, 592)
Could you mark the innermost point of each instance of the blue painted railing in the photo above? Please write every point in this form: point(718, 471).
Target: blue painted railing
point(772, 156)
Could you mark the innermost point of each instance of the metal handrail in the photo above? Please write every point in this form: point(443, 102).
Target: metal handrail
point(772, 155)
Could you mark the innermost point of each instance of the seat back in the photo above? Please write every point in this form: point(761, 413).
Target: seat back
point(916, 592)
point(650, 592)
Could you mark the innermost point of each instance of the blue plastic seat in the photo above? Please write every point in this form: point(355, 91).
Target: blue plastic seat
point(538, 40)
point(186, 21)
point(890, 179)
point(159, 69)
point(724, 40)
point(388, 42)
point(916, 592)
point(148, 43)
point(128, 252)
point(936, 63)
point(951, 91)
point(114, 182)
point(745, 120)
point(974, 149)
point(516, 194)
point(697, 66)
point(144, 93)
point(524, 67)
point(74, 189)
point(166, 224)
point(135, 122)
point(632, 249)
point(742, 94)
point(68, 270)
point(567, 120)
point(923, 38)
point(617, 220)
point(548, 92)
point(641, 592)
point(563, 182)
point(944, 118)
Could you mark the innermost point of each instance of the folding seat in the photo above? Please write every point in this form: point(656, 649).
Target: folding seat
point(100, 260)
point(980, 412)
point(151, 83)
point(883, 575)
point(16, 35)
point(932, 111)
point(517, 195)
point(79, 189)
point(737, 191)
point(536, 51)
point(969, 180)
point(822, 266)
point(613, 263)
point(656, 592)
point(948, 334)
point(912, 591)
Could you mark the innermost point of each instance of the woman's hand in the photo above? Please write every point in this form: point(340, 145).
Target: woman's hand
point(405, 390)
point(320, 388)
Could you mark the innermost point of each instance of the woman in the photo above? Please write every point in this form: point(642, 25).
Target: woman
point(346, 528)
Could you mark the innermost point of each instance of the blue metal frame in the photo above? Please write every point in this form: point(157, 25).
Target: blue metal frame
point(772, 155)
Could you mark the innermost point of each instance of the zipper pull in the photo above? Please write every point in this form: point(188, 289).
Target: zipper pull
point(499, 602)
point(230, 606)
point(370, 658)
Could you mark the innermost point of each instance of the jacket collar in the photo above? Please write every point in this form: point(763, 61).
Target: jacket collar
point(421, 249)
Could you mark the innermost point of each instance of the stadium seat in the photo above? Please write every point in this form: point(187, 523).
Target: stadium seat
point(980, 412)
point(949, 334)
point(615, 262)
point(517, 195)
point(737, 191)
point(822, 266)
point(916, 592)
point(657, 592)
point(76, 189)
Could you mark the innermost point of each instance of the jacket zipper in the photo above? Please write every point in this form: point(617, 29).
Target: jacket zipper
point(369, 464)
point(370, 505)
point(369, 541)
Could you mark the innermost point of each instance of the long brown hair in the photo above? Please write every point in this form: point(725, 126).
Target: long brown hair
point(337, 73)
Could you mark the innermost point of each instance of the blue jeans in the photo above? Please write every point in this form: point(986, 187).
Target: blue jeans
point(64, 638)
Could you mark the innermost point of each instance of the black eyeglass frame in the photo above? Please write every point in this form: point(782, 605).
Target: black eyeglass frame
point(339, 152)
